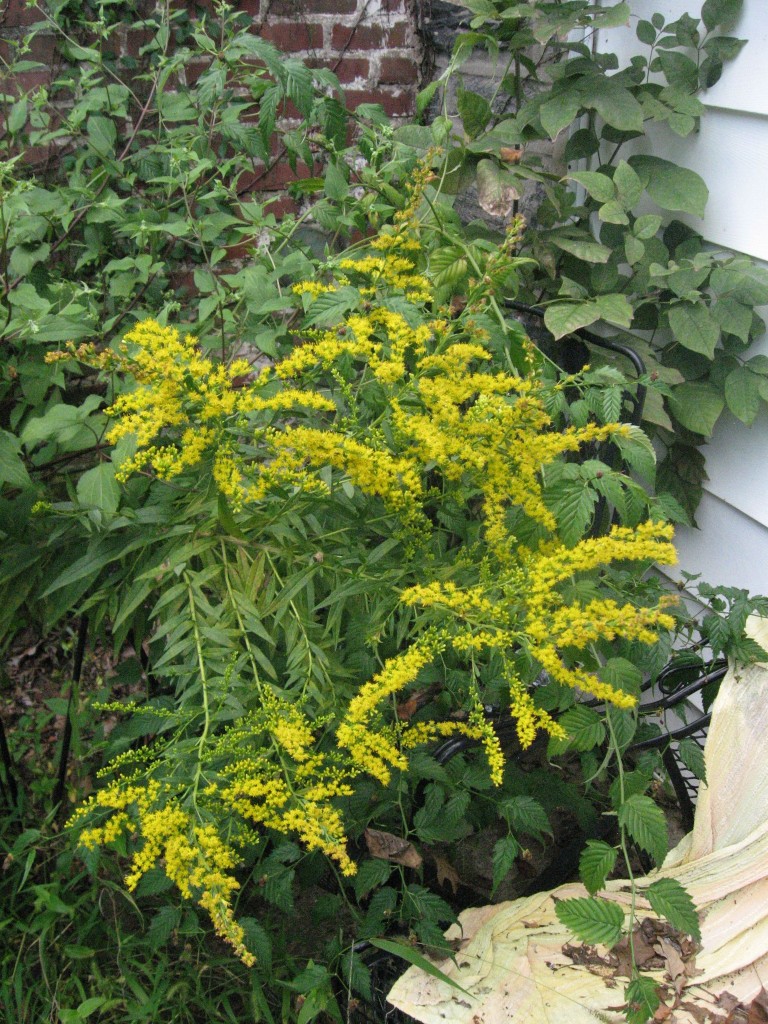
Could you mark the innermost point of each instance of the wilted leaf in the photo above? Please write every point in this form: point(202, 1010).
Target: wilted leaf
point(386, 846)
point(495, 191)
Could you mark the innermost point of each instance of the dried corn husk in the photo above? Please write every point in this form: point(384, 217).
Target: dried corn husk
point(510, 956)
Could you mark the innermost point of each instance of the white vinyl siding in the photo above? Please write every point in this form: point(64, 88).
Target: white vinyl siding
point(731, 154)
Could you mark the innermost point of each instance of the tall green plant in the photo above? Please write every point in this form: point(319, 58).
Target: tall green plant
point(607, 246)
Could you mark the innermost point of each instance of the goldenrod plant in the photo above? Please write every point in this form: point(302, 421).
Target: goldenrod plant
point(356, 444)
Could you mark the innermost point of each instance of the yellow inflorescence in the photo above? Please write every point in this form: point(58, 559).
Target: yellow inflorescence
point(452, 421)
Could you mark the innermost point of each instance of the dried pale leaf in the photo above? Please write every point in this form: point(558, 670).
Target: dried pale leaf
point(386, 846)
point(446, 873)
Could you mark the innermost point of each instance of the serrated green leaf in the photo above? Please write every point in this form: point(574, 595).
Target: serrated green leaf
point(637, 451)
point(525, 815)
point(505, 852)
point(670, 900)
point(645, 822)
point(99, 489)
point(692, 757)
point(573, 503)
point(598, 922)
point(643, 1000)
point(622, 675)
point(585, 729)
point(12, 470)
point(597, 861)
point(370, 875)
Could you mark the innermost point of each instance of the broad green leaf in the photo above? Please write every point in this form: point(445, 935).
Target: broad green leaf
point(629, 187)
point(645, 822)
point(720, 13)
point(612, 101)
point(424, 97)
point(102, 134)
point(597, 861)
point(98, 488)
point(12, 470)
point(563, 318)
point(616, 309)
point(692, 757)
point(612, 17)
point(694, 327)
point(412, 956)
point(733, 317)
point(646, 226)
point(646, 33)
point(634, 249)
point(613, 213)
point(670, 900)
point(583, 249)
point(336, 186)
point(672, 187)
point(743, 281)
point(558, 112)
point(598, 922)
point(742, 394)
point(475, 112)
point(505, 852)
point(697, 406)
point(573, 503)
point(599, 186)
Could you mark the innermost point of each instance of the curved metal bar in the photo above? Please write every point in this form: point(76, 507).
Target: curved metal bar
point(673, 698)
point(655, 742)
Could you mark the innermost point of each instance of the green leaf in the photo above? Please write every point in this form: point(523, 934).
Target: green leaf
point(12, 470)
point(102, 134)
point(645, 227)
point(505, 852)
point(623, 675)
point(525, 815)
point(646, 33)
point(598, 922)
point(742, 394)
point(412, 956)
point(613, 213)
point(694, 327)
point(475, 112)
point(612, 101)
point(599, 186)
point(643, 1000)
point(672, 187)
point(583, 249)
point(573, 503)
point(98, 488)
point(692, 757)
point(597, 861)
point(616, 309)
point(629, 186)
point(645, 822)
point(720, 13)
point(371, 874)
point(670, 900)
point(424, 97)
point(585, 729)
point(563, 318)
point(559, 111)
point(336, 186)
point(696, 406)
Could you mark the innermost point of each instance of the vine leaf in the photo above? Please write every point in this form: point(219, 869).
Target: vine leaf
point(505, 853)
point(670, 900)
point(692, 757)
point(592, 920)
point(596, 863)
point(645, 823)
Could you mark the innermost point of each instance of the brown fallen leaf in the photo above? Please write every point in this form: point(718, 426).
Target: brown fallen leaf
point(758, 1009)
point(408, 708)
point(510, 155)
point(446, 872)
point(386, 846)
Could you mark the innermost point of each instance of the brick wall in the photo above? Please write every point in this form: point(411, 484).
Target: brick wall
point(373, 46)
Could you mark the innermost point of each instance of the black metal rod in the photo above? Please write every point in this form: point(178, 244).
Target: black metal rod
point(9, 768)
point(66, 740)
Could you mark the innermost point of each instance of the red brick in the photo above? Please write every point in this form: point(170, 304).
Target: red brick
point(368, 37)
point(398, 71)
point(290, 37)
point(135, 39)
point(26, 81)
point(16, 13)
point(281, 205)
point(301, 9)
point(399, 105)
point(193, 70)
point(346, 69)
